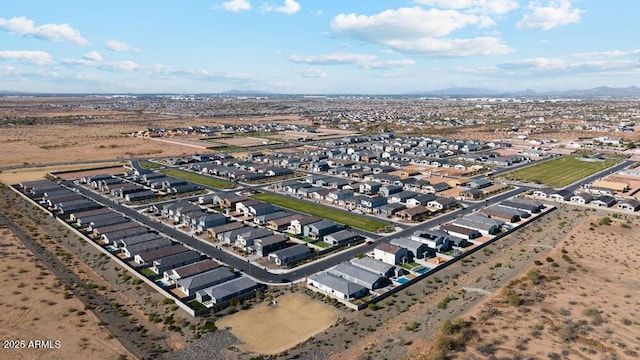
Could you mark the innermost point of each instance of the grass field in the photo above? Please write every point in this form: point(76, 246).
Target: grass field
point(200, 179)
point(272, 329)
point(558, 172)
point(356, 221)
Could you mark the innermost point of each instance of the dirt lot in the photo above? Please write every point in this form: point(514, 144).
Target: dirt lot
point(271, 329)
point(578, 302)
point(34, 307)
point(16, 176)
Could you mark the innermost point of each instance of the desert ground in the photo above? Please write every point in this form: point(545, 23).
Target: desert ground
point(35, 307)
point(577, 302)
point(16, 176)
point(271, 329)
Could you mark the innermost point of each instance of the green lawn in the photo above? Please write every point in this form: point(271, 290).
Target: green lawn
point(558, 172)
point(149, 273)
point(356, 221)
point(322, 244)
point(148, 165)
point(200, 179)
point(196, 305)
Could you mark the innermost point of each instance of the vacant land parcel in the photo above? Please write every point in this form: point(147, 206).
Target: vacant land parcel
point(270, 329)
point(559, 172)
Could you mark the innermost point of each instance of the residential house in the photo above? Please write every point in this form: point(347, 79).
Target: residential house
point(336, 286)
point(503, 213)
point(169, 262)
point(415, 248)
point(604, 201)
point(360, 276)
point(420, 199)
point(290, 255)
point(268, 244)
point(240, 287)
point(246, 239)
point(190, 285)
point(376, 266)
point(459, 231)
point(391, 254)
point(483, 224)
point(415, 213)
point(132, 249)
point(281, 224)
point(442, 203)
point(582, 198)
point(297, 225)
point(318, 230)
point(209, 220)
point(629, 205)
point(172, 275)
point(216, 230)
point(148, 257)
point(342, 237)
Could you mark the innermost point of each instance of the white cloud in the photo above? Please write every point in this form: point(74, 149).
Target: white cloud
point(55, 32)
point(93, 56)
point(413, 22)
point(556, 13)
point(388, 64)
point(332, 59)
point(361, 60)
point(237, 5)
point(567, 65)
point(39, 58)
point(497, 7)
point(311, 73)
point(419, 31)
point(116, 45)
point(126, 65)
point(614, 53)
point(290, 7)
point(452, 47)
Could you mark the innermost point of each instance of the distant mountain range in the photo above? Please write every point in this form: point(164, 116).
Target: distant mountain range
point(598, 92)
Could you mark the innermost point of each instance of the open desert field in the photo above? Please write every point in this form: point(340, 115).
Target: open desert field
point(34, 307)
point(16, 176)
point(578, 302)
point(271, 329)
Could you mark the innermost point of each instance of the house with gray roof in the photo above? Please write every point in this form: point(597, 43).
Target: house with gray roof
point(360, 276)
point(216, 230)
point(342, 237)
point(391, 254)
point(459, 231)
point(604, 201)
point(416, 248)
point(480, 222)
point(318, 230)
point(265, 218)
point(114, 236)
point(233, 289)
point(158, 242)
point(148, 257)
point(336, 286)
point(376, 266)
point(246, 239)
point(290, 255)
point(185, 271)
point(268, 244)
point(132, 240)
point(205, 221)
point(169, 262)
point(189, 285)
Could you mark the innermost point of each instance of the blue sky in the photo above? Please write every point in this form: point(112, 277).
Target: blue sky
point(317, 47)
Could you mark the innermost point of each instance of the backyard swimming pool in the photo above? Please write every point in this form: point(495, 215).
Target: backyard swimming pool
point(402, 280)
